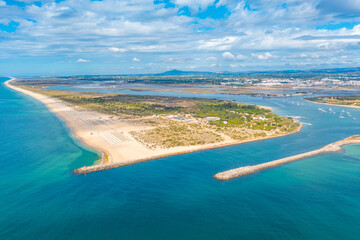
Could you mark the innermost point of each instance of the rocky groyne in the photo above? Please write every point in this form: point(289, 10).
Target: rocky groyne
point(242, 171)
point(105, 166)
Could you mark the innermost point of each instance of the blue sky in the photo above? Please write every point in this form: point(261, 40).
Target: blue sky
point(141, 36)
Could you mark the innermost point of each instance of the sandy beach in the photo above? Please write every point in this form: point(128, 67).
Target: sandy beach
point(336, 105)
point(111, 135)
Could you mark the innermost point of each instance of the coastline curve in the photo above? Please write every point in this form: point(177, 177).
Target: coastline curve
point(114, 156)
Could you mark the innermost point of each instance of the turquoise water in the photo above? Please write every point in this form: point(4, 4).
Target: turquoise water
point(176, 197)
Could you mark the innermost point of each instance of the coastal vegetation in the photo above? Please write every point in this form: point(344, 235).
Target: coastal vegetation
point(173, 134)
point(167, 122)
point(353, 101)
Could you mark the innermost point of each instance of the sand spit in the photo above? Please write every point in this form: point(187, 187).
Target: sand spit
point(242, 171)
point(330, 104)
point(112, 136)
point(177, 151)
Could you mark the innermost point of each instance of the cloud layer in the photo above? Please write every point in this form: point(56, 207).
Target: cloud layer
point(209, 35)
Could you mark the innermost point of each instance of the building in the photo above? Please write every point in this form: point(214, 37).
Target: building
point(210, 119)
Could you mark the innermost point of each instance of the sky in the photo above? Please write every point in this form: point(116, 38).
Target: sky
point(69, 37)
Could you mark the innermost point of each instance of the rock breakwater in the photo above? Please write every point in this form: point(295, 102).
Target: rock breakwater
point(242, 171)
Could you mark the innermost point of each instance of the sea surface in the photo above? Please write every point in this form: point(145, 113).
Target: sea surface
point(177, 197)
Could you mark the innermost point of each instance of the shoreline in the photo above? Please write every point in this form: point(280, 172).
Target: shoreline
point(97, 136)
point(98, 167)
point(329, 104)
point(247, 170)
point(39, 97)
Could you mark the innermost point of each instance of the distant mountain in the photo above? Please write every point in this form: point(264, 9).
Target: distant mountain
point(176, 72)
point(337, 70)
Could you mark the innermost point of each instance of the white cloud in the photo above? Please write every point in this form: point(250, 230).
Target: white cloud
point(220, 44)
point(228, 56)
point(2, 3)
point(315, 55)
point(80, 60)
point(105, 29)
point(336, 6)
point(192, 67)
point(241, 57)
point(136, 60)
point(4, 21)
point(115, 49)
point(151, 48)
point(211, 59)
point(223, 2)
point(264, 56)
point(171, 60)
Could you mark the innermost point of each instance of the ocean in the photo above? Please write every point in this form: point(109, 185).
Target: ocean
point(177, 197)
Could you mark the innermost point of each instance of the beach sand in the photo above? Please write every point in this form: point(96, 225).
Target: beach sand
point(111, 135)
point(336, 105)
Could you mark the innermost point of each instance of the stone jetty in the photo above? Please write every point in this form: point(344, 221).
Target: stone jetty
point(105, 166)
point(242, 171)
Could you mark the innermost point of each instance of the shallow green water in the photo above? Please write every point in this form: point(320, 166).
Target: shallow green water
point(176, 197)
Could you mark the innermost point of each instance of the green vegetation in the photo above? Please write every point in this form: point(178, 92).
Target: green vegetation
point(130, 105)
point(337, 100)
point(231, 114)
point(164, 119)
point(177, 134)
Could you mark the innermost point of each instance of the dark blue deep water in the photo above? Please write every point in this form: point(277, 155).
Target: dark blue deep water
point(176, 197)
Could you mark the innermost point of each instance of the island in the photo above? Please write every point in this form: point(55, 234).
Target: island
point(344, 101)
point(129, 129)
